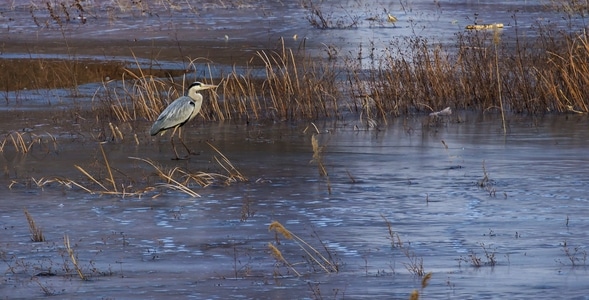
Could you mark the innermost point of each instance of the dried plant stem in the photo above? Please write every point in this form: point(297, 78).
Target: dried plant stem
point(112, 179)
point(176, 185)
point(73, 258)
point(278, 255)
point(91, 177)
point(226, 164)
point(36, 231)
point(313, 254)
point(499, 89)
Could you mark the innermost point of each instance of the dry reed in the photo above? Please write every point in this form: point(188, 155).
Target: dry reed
point(36, 231)
point(73, 257)
point(313, 254)
point(318, 159)
point(278, 255)
point(17, 140)
point(225, 163)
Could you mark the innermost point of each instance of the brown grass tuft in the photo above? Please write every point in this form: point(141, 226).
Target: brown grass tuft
point(278, 228)
point(36, 231)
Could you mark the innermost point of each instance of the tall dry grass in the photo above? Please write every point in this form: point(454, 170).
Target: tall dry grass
point(293, 86)
point(484, 73)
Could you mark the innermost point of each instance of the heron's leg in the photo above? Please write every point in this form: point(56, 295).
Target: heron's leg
point(174, 146)
point(182, 141)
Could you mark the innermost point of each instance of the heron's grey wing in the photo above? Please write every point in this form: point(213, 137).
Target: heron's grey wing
point(176, 114)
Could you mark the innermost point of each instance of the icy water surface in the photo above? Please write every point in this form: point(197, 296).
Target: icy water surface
point(491, 216)
point(428, 182)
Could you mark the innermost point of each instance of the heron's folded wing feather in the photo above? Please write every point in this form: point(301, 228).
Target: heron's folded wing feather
point(176, 114)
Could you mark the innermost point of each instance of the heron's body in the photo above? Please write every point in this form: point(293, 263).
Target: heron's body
point(177, 114)
point(180, 111)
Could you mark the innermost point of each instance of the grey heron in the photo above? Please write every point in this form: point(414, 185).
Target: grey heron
point(179, 112)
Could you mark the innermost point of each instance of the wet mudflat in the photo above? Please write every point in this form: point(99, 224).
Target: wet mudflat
point(490, 215)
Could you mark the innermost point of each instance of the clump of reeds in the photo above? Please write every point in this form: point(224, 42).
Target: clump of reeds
point(174, 178)
point(318, 19)
point(142, 98)
point(36, 231)
point(294, 87)
point(172, 183)
point(481, 72)
point(110, 186)
point(393, 236)
point(312, 254)
point(476, 261)
point(278, 256)
point(22, 142)
point(142, 94)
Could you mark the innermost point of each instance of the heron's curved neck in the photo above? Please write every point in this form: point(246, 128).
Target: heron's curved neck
point(193, 93)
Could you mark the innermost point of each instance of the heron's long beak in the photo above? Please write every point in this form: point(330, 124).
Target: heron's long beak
point(207, 86)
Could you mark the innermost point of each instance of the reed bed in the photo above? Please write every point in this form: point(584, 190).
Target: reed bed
point(483, 72)
point(486, 73)
point(292, 87)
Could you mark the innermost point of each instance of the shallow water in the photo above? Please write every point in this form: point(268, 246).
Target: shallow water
point(215, 247)
point(425, 178)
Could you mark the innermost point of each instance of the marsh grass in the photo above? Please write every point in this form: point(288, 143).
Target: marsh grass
point(318, 156)
point(143, 93)
point(486, 73)
point(109, 180)
point(36, 231)
point(294, 87)
point(319, 18)
point(393, 236)
point(311, 254)
point(484, 70)
point(47, 290)
point(141, 97)
point(23, 142)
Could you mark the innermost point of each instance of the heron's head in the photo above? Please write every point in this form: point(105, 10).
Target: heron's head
point(199, 86)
